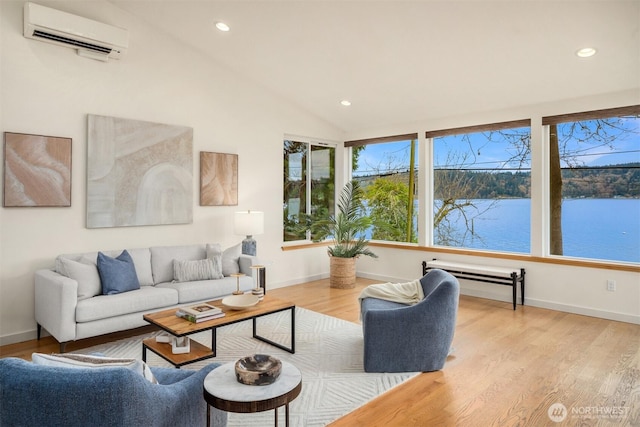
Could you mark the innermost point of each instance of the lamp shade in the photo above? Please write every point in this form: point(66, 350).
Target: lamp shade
point(249, 223)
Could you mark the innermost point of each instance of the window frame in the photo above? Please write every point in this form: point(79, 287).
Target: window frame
point(317, 142)
point(349, 145)
point(430, 185)
point(559, 119)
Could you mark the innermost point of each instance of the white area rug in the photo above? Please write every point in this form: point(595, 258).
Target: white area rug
point(328, 353)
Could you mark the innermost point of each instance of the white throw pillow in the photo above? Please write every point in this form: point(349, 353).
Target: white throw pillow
point(214, 253)
point(142, 262)
point(190, 270)
point(70, 360)
point(213, 249)
point(86, 274)
point(230, 257)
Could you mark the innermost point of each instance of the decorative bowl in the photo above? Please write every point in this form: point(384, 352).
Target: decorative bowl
point(240, 302)
point(259, 369)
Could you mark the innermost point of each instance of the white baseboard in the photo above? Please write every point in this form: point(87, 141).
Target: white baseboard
point(384, 279)
point(552, 305)
point(585, 311)
point(20, 337)
point(297, 281)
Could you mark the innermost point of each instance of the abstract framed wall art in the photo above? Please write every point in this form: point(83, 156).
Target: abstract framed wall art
point(37, 171)
point(138, 173)
point(218, 179)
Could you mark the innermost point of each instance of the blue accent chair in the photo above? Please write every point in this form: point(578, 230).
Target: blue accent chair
point(411, 338)
point(37, 395)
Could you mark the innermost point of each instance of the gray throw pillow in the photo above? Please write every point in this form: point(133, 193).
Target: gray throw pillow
point(190, 270)
point(213, 249)
point(86, 274)
point(214, 253)
point(230, 260)
point(117, 274)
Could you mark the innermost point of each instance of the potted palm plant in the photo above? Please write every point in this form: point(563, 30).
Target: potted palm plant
point(347, 229)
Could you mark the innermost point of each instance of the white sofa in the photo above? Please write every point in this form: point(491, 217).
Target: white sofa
point(70, 306)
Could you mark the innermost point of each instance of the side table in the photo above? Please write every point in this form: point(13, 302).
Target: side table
point(223, 391)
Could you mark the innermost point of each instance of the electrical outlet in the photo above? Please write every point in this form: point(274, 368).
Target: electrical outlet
point(611, 285)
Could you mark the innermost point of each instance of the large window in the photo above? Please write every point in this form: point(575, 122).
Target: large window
point(386, 169)
point(594, 195)
point(481, 186)
point(309, 186)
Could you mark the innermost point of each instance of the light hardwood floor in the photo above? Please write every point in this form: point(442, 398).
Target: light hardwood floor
point(507, 368)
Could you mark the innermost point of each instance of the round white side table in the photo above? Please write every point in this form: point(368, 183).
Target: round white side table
point(223, 391)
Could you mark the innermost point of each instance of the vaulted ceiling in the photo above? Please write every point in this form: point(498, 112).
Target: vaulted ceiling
point(404, 61)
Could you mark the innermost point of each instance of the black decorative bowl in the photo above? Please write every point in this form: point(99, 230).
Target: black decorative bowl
point(259, 369)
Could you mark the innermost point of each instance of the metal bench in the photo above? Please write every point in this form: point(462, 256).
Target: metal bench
point(481, 273)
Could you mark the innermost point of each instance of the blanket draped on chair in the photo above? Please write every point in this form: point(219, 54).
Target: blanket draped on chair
point(405, 293)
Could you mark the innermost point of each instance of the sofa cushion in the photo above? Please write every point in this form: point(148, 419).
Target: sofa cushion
point(199, 269)
point(86, 274)
point(162, 259)
point(117, 274)
point(230, 257)
point(147, 298)
point(70, 360)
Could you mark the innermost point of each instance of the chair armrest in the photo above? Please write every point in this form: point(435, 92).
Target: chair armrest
point(56, 297)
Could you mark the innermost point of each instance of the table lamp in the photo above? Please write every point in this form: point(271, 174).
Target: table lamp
point(249, 223)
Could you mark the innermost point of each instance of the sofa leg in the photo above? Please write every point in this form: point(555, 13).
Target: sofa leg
point(39, 331)
point(62, 345)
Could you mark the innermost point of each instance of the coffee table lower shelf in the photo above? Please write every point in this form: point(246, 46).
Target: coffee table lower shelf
point(197, 352)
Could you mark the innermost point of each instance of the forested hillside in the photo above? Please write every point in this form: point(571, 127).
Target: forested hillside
point(621, 180)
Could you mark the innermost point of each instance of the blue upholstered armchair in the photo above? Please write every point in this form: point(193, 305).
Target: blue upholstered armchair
point(411, 338)
point(36, 395)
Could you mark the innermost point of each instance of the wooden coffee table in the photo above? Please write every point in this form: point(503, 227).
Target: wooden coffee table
point(178, 327)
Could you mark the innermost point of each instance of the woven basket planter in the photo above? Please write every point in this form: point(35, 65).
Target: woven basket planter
point(342, 272)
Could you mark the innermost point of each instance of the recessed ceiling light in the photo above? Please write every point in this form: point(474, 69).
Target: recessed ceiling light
point(222, 26)
point(345, 102)
point(586, 52)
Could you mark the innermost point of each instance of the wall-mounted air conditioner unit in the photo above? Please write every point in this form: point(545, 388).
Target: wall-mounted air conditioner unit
point(92, 39)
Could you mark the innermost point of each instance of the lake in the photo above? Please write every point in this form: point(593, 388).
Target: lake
point(592, 228)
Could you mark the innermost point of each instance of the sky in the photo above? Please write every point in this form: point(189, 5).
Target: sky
point(384, 158)
point(481, 153)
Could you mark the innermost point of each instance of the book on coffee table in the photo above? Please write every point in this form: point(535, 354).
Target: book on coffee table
point(194, 319)
point(201, 310)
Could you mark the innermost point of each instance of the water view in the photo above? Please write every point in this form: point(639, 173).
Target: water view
point(592, 228)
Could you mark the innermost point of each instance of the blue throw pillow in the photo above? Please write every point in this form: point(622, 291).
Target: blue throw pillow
point(117, 274)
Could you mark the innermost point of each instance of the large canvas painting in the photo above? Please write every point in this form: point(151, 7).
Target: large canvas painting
point(138, 173)
point(37, 170)
point(218, 179)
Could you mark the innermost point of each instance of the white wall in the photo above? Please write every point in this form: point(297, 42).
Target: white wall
point(568, 288)
point(49, 90)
